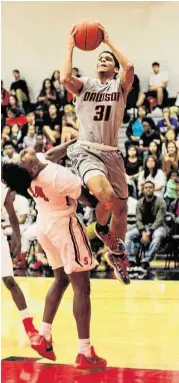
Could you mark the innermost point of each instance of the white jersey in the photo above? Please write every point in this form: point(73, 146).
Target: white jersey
point(55, 190)
point(100, 110)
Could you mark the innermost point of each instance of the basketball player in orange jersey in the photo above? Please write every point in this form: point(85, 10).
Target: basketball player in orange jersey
point(100, 105)
point(6, 261)
point(63, 238)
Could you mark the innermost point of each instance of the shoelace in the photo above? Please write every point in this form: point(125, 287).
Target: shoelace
point(123, 264)
point(113, 241)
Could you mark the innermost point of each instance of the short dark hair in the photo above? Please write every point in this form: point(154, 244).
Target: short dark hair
point(150, 121)
point(7, 143)
point(16, 70)
point(117, 65)
point(155, 63)
point(149, 182)
point(16, 178)
point(13, 110)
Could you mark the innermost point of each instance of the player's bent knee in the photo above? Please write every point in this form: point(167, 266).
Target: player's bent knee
point(107, 197)
point(9, 282)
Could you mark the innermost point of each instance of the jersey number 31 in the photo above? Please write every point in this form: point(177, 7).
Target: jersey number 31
point(102, 112)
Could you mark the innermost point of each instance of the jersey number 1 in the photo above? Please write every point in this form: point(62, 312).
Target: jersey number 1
point(102, 112)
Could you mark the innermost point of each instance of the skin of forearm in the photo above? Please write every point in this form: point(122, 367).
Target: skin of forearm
point(66, 72)
point(122, 59)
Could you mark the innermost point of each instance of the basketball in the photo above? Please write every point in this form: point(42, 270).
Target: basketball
point(88, 36)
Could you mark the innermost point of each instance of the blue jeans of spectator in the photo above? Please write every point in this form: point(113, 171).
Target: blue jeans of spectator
point(154, 245)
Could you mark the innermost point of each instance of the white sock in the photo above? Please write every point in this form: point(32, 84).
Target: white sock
point(85, 347)
point(25, 313)
point(45, 330)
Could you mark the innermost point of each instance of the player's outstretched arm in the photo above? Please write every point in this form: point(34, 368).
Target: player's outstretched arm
point(127, 74)
point(8, 204)
point(58, 152)
point(72, 83)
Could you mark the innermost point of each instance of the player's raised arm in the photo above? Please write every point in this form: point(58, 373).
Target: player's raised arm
point(8, 204)
point(58, 152)
point(127, 74)
point(71, 83)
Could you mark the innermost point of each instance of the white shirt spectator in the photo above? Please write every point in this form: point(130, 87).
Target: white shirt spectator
point(10, 159)
point(158, 180)
point(158, 79)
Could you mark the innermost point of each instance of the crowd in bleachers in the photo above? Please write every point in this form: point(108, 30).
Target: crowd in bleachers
point(151, 153)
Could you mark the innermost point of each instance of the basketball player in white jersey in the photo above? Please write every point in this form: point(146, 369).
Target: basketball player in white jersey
point(63, 238)
point(100, 105)
point(6, 262)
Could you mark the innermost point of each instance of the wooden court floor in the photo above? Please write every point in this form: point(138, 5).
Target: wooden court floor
point(134, 327)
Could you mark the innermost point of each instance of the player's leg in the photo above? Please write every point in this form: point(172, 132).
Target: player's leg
point(42, 343)
point(14, 289)
point(103, 191)
point(52, 301)
point(86, 357)
point(118, 222)
point(118, 225)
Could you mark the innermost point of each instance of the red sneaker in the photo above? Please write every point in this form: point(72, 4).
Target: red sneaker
point(84, 363)
point(29, 328)
point(115, 245)
point(120, 264)
point(43, 347)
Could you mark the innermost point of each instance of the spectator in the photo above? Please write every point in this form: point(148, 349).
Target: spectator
point(70, 124)
point(9, 151)
point(170, 136)
point(19, 88)
point(75, 72)
point(166, 123)
point(15, 135)
point(171, 187)
point(135, 128)
point(53, 124)
point(154, 150)
point(56, 80)
point(30, 139)
point(157, 86)
point(47, 94)
point(40, 144)
point(134, 93)
point(148, 136)
point(4, 98)
point(6, 134)
point(14, 119)
point(152, 173)
point(13, 103)
point(171, 159)
point(131, 209)
point(133, 163)
point(174, 110)
point(150, 227)
point(174, 208)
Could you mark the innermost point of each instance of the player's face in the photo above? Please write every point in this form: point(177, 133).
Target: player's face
point(106, 65)
point(28, 160)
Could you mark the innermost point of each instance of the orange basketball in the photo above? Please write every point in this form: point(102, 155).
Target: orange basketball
point(88, 36)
